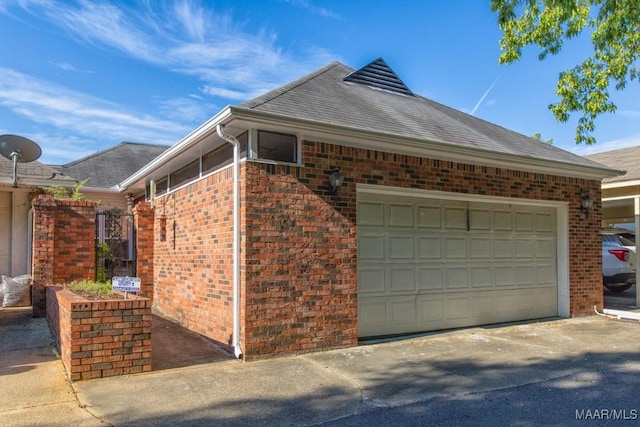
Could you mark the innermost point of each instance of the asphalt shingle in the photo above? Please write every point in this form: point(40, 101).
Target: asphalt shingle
point(325, 97)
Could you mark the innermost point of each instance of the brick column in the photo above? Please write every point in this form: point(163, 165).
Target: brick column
point(43, 251)
point(63, 245)
point(143, 216)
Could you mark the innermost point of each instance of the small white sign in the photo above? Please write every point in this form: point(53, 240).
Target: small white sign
point(125, 284)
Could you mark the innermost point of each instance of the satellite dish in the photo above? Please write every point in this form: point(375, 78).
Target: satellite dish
point(18, 149)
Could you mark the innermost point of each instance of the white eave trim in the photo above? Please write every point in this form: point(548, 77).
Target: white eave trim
point(37, 182)
point(204, 130)
point(620, 184)
point(422, 148)
point(358, 138)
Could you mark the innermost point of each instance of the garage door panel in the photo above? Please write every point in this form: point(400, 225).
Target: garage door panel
point(506, 303)
point(370, 247)
point(545, 248)
point(402, 311)
point(546, 274)
point(480, 247)
point(372, 316)
point(456, 278)
point(400, 247)
point(525, 275)
point(524, 221)
point(430, 279)
point(479, 219)
point(429, 217)
point(427, 264)
point(400, 215)
point(371, 280)
point(431, 310)
point(504, 275)
point(402, 280)
point(430, 247)
point(502, 220)
point(525, 248)
point(545, 222)
point(502, 248)
point(481, 277)
point(457, 308)
point(371, 213)
point(455, 247)
point(482, 308)
point(455, 218)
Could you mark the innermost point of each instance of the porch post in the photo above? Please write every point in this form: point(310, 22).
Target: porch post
point(636, 213)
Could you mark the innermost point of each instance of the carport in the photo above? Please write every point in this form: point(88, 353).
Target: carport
point(621, 194)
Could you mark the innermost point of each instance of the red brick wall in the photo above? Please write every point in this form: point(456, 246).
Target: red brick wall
point(63, 245)
point(143, 222)
point(100, 338)
point(300, 272)
point(193, 265)
point(299, 266)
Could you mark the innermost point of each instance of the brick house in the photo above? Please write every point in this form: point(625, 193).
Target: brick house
point(436, 220)
point(104, 169)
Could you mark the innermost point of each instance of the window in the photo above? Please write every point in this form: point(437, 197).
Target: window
point(190, 171)
point(280, 147)
point(223, 155)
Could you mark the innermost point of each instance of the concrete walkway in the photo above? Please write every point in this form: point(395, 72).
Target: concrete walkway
point(309, 389)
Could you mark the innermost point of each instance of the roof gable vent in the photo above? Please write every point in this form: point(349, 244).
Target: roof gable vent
point(379, 75)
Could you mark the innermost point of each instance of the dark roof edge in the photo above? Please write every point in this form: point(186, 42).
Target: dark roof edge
point(471, 155)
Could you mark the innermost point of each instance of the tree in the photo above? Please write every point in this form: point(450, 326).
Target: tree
point(615, 35)
point(538, 137)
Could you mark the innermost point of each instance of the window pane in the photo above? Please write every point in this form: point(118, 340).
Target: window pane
point(223, 155)
point(277, 146)
point(189, 172)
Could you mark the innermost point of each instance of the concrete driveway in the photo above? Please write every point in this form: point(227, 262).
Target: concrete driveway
point(319, 387)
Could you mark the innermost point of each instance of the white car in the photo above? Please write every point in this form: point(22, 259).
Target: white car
point(618, 262)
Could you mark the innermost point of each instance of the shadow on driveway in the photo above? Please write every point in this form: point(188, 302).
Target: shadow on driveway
point(173, 346)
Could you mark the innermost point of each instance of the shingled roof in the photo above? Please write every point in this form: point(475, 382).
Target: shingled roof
point(31, 171)
point(332, 96)
point(624, 158)
point(108, 167)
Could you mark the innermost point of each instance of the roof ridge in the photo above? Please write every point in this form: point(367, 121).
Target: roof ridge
point(106, 150)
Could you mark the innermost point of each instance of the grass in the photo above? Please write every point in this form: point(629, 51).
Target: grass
point(90, 287)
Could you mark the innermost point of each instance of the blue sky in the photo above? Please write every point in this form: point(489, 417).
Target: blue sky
point(80, 76)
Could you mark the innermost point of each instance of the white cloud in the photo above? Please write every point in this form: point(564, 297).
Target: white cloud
point(614, 144)
point(316, 10)
point(189, 39)
point(87, 117)
point(69, 67)
point(187, 110)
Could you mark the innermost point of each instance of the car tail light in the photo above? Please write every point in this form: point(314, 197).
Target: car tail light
point(621, 254)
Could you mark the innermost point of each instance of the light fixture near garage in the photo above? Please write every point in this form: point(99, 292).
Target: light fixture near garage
point(335, 180)
point(586, 201)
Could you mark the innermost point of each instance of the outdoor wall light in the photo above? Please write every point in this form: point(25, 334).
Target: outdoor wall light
point(335, 179)
point(586, 202)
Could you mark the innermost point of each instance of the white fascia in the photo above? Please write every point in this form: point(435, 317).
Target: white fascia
point(358, 138)
point(197, 135)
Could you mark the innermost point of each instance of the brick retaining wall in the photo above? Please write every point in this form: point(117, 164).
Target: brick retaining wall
point(100, 338)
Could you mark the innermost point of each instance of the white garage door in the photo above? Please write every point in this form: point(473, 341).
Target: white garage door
point(5, 233)
point(427, 264)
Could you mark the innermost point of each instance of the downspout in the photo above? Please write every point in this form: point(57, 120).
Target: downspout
point(236, 238)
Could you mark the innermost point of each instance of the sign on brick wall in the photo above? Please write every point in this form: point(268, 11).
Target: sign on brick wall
point(125, 284)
